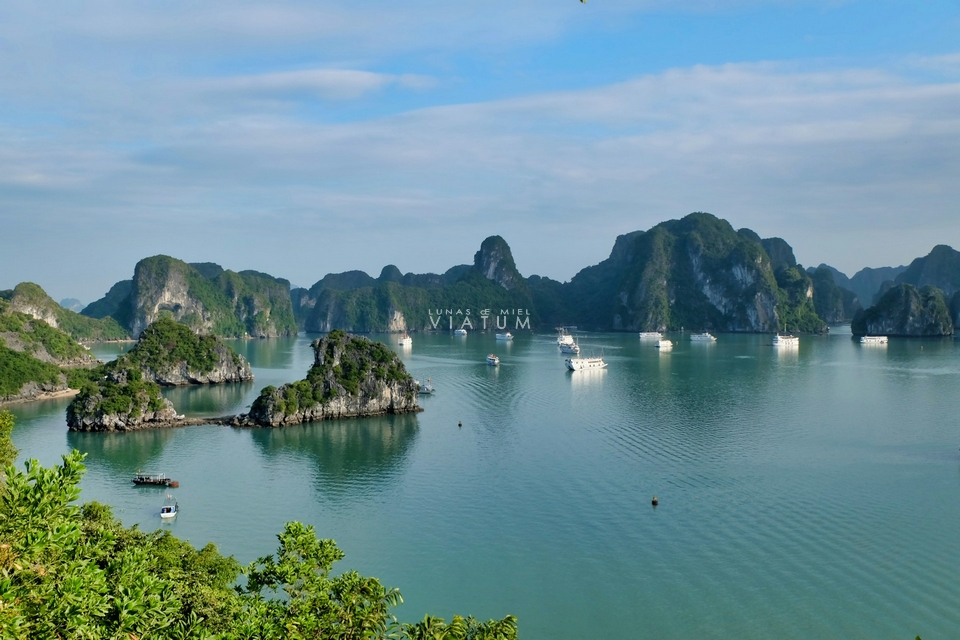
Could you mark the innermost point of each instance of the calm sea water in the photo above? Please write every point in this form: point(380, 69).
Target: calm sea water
point(804, 494)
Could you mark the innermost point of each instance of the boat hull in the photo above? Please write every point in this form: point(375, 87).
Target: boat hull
point(581, 364)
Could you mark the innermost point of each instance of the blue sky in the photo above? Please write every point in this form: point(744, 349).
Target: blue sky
point(303, 138)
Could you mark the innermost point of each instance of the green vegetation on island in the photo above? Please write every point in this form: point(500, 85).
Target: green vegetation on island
point(117, 397)
point(125, 393)
point(74, 571)
point(37, 338)
point(203, 296)
point(905, 310)
point(940, 268)
point(354, 301)
point(697, 272)
point(351, 376)
point(173, 354)
point(35, 358)
point(832, 302)
point(32, 300)
point(18, 369)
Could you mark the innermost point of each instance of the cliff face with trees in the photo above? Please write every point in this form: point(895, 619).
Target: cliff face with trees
point(353, 301)
point(940, 268)
point(832, 302)
point(36, 359)
point(125, 395)
point(31, 300)
point(905, 310)
point(203, 296)
point(170, 354)
point(697, 273)
point(351, 377)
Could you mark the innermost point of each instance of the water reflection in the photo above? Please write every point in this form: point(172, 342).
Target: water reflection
point(350, 455)
point(271, 353)
point(211, 399)
point(109, 351)
point(123, 453)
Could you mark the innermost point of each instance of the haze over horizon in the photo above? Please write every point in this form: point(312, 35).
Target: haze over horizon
point(305, 138)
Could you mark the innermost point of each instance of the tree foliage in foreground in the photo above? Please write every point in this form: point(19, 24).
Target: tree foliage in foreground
point(76, 572)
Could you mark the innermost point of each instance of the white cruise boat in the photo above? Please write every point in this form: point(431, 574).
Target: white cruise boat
point(493, 360)
point(563, 337)
point(786, 341)
point(650, 335)
point(874, 340)
point(405, 341)
point(505, 336)
point(664, 345)
point(702, 337)
point(579, 364)
point(573, 347)
point(425, 387)
point(459, 332)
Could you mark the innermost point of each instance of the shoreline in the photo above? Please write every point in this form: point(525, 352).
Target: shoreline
point(43, 395)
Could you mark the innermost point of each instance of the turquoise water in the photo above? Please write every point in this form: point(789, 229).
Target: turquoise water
point(804, 494)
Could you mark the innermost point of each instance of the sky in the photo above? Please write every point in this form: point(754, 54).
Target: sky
point(301, 138)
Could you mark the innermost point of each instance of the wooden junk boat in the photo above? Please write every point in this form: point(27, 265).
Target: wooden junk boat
point(154, 479)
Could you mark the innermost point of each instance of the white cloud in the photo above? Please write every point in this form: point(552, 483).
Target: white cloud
point(336, 84)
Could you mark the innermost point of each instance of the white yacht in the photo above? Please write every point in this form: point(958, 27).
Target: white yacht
point(786, 341)
point(579, 364)
point(493, 360)
point(459, 332)
point(874, 339)
point(650, 335)
point(702, 337)
point(573, 347)
point(563, 337)
point(405, 341)
point(425, 387)
point(505, 336)
point(664, 345)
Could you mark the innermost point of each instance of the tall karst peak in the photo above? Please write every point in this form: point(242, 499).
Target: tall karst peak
point(495, 261)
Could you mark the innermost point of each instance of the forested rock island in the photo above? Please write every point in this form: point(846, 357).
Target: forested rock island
point(351, 377)
point(125, 395)
point(698, 272)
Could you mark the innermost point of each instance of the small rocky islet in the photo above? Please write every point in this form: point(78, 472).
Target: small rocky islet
point(352, 376)
point(125, 395)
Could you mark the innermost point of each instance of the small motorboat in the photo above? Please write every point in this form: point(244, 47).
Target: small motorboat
point(493, 360)
point(459, 332)
point(505, 336)
point(426, 388)
point(169, 510)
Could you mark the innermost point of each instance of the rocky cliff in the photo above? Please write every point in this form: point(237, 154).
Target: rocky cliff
point(351, 377)
point(906, 311)
point(29, 335)
point(940, 268)
point(697, 273)
point(203, 296)
point(495, 261)
point(832, 302)
point(120, 400)
point(30, 299)
point(170, 354)
point(355, 302)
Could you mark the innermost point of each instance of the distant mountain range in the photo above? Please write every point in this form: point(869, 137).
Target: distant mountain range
point(694, 273)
